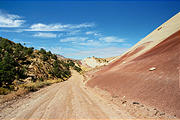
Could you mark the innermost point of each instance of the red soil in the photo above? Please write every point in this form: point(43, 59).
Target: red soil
point(159, 88)
point(124, 57)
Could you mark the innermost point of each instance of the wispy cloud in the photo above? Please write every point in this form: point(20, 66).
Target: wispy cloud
point(57, 27)
point(20, 41)
point(80, 54)
point(90, 43)
point(92, 33)
point(73, 39)
point(99, 52)
point(60, 50)
point(56, 50)
point(111, 39)
point(45, 35)
point(73, 32)
point(10, 20)
point(12, 30)
point(89, 32)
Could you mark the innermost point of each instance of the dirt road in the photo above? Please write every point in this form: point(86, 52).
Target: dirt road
point(65, 100)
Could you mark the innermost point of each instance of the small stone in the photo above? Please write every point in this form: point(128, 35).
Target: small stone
point(152, 69)
point(124, 102)
point(136, 103)
point(114, 96)
point(156, 112)
point(162, 114)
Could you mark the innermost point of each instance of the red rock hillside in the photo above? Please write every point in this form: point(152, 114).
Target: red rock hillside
point(152, 76)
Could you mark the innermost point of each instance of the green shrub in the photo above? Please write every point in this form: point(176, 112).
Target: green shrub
point(41, 79)
point(44, 57)
point(7, 70)
point(78, 69)
point(71, 63)
point(4, 91)
point(28, 51)
point(42, 51)
point(54, 57)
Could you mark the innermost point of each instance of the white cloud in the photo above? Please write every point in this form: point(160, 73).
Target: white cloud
point(20, 41)
point(111, 39)
point(68, 33)
point(60, 50)
point(73, 32)
point(73, 39)
point(127, 44)
point(80, 54)
point(56, 50)
point(60, 35)
point(83, 25)
point(57, 27)
point(91, 43)
point(99, 52)
point(44, 27)
point(89, 32)
point(12, 30)
point(92, 33)
point(45, 35)
point(10, 20)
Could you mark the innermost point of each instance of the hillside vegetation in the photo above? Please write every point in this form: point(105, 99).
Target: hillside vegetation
point(23, 66)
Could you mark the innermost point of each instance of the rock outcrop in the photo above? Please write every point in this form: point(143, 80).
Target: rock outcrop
point(94, 62)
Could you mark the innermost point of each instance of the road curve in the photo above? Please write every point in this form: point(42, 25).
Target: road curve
point(65, 100)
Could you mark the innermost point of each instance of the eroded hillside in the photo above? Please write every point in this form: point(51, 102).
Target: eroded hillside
point(21, 65)
point(149, 72)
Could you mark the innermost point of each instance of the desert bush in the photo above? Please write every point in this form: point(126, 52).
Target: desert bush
point(78, 69)
point(28, 51)
point(42, 51)
point(44, 57)
point(4, 91)
point(7, 70)
point(54, 57)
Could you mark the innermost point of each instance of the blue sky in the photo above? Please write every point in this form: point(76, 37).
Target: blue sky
point(78, 29)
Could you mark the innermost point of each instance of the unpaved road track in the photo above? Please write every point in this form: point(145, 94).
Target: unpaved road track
point(65, 100)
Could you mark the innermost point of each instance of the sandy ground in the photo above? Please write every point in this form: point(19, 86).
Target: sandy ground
point(65, 100)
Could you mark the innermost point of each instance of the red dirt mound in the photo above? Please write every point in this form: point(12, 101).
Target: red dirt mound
point(158, 88)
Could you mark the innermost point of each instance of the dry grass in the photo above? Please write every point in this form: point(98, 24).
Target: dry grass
point(85, 69)
point(34, 86)
point(24, 89)
point(4, 91)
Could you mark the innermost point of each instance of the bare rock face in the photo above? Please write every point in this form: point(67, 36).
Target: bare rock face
point(94, 62)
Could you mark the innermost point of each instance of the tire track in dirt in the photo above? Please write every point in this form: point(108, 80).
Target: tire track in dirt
point(67, 100)
point(43, 104)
